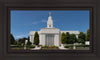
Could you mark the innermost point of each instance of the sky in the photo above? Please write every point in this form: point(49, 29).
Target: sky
point(24, 21)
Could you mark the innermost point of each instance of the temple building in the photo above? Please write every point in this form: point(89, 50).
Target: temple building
point(50, 36)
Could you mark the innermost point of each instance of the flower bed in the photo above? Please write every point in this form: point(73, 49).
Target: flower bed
point(49, 47)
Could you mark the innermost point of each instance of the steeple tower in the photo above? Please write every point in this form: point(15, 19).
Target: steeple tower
point(49, 13)
point(50, 21)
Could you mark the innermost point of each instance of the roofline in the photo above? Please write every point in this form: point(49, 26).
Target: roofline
point(49, 28)
point(78, 31)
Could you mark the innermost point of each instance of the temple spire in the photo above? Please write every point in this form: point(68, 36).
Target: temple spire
point(50, 21)
point(49, 13)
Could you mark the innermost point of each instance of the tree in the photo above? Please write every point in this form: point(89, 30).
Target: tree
point(12, 40)
point(88, 35)
point(81, 37)
point(28, 43)
point(80, 40)
point(36, 38)
point(72, 38)
point(68, 37)
point(15, 43)
point(21, 41)
point(63, 38)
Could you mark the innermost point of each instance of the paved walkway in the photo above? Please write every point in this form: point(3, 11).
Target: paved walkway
point(62, 48)
point(36, 48)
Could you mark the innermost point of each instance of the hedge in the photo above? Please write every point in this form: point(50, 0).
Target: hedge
point(82, 45)
point(20, 46)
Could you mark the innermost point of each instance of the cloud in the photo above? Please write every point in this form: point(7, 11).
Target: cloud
point(37, 22)
point(21, 36)
point(43, 21)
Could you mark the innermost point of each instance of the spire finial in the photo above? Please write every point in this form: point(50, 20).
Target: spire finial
point(49, 13)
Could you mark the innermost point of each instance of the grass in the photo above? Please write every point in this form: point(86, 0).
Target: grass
point(78, 47)
point(20, 47)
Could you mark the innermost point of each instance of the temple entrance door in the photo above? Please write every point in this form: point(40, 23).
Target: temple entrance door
point(50, 39)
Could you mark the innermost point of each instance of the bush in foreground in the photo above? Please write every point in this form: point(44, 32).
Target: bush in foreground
point(30, 46)
point(66, 46)
point(49, 46)
point(54, 46)
point(20, 46)
point(82, 45)
point(45, 46)
point(70, 46)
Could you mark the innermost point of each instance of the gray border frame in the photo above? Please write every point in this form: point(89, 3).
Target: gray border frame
point(5, 24)
point(50, 51)
point(75, 52)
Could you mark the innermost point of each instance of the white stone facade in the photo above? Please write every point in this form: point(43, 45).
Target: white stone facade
point(50, 35)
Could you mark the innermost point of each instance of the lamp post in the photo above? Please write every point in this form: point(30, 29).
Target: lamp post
point(25, 44)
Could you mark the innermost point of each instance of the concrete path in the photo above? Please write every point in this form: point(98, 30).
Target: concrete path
point(36, 48)
point(62, 48)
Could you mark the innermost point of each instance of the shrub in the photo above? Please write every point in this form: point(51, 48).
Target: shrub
point(70, 46)
point(49, 46)
point(66, 46)
point(45, 46)
point(13, 46)
point(20, 46)
point(86, 45)
point(30, 46)
point(82, 45)
point(79, 45)
point(54, 46)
